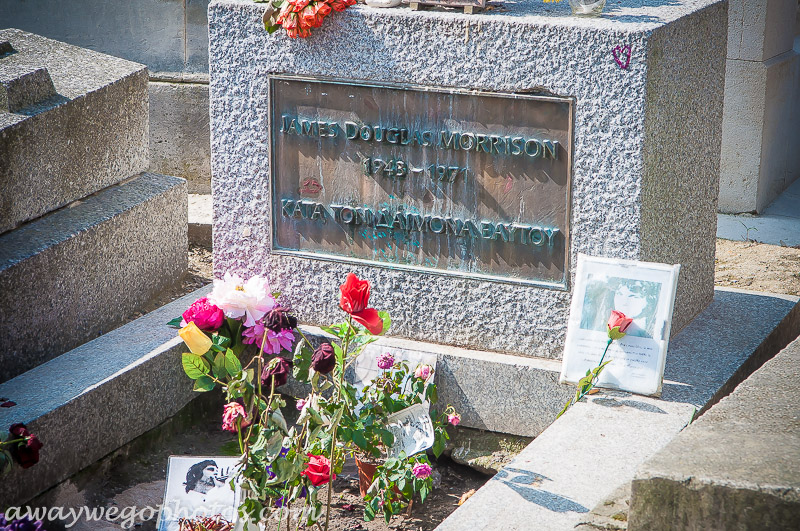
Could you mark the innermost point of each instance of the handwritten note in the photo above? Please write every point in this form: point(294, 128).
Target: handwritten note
point(412, 429)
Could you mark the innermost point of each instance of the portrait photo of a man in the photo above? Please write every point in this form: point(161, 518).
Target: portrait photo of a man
point(198, 486)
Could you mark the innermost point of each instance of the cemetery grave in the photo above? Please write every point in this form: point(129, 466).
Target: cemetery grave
point(498, 211)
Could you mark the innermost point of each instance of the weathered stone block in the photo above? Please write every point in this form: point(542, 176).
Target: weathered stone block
point(179, 133)
point(598, 445)
point(760, 29)
point(95, 398)
point(635, 193)
point(760, 132)
point(90, 133)
point(82, 270)
point(736, 467)
point(20, 90)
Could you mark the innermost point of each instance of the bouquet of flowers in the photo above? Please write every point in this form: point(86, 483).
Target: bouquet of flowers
point(299, 17)
point(286, 466)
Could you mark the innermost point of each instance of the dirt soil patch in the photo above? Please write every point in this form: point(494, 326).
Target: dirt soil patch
point(758, 267)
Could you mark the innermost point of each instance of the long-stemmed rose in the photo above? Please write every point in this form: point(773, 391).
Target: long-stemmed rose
point(618, 324)
point(355, 301)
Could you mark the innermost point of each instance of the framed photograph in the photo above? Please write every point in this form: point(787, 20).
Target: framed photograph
point(198, 487)
point(644, 292)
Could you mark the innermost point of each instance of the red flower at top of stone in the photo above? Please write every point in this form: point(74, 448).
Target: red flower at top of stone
point(354, 300)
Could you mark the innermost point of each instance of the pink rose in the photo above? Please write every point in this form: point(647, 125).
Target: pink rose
point(618, 323)
point(454, 419)
point(423, 372)
point(233, 411)
point(204, 315)
point(421, 470)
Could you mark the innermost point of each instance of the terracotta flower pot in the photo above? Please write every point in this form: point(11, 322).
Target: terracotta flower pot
point(366, 473)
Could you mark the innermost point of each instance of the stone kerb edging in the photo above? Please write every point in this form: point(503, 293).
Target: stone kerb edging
point(94, 399)
point(583, 457)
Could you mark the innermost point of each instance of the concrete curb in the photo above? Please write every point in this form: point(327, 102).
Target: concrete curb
point(94, 399)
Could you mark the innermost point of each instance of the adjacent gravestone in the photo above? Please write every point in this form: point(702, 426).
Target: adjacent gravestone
point(86, 238)
point(460, 163)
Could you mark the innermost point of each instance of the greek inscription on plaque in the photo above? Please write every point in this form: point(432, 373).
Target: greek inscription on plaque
point(441, 181)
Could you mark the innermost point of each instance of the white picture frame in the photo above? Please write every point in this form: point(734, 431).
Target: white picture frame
point(643, 291)
point(198, 486)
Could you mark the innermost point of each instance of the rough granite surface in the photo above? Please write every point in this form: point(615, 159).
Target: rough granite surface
point(80, 271)
point(110, 391)
point(736, 467)
point(92, 132)
point(628, 147)
point(598, 445)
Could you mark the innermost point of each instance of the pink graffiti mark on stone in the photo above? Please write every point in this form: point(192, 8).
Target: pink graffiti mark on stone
point(622, 55)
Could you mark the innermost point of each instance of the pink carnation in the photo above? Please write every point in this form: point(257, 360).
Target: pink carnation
point(276, 341)
point(454, 419)
point(233, 411)
point(385, 361)
point(204, 315)
point(423, 372)
point(421, 470)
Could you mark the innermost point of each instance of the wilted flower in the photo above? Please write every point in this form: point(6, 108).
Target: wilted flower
point(279, 319)
point(324, 358)
point(385, 361)
point(421, 470)
point(195, 339)
point(423, 372)
point(454, 419)
point(233, 411)
point(25, 452)
point(277, 369)
point(238, 298)
point(204, 314)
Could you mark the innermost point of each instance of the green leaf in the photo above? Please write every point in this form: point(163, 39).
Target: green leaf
point(369, 513)
point(360, 440)
point(194, 365)
point(387, 321)
point(423, 493)
point(301, 361)
point(339, 355)
point(387, 437)
point(204, 383)
point(219, 367)
point(232, 363)
point(176, 323)
point(439, 444)
point(615, 334)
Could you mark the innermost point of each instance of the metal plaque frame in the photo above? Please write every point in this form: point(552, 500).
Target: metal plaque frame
point(273, 120)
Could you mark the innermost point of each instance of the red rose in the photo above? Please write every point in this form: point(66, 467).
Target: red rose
point(355, 297)
point(26, 452)
point(204, 315)
point(617, 324)
point(318, 471)
point(324, 358)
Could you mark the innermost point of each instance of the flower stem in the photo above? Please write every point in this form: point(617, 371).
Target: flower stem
point(336, 424)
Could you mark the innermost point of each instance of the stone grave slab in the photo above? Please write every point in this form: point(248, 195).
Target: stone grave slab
point(72, 122)
point(737, 466)
point(598, 445)
point(76, 273)
point(94, 399)
point(465, 257)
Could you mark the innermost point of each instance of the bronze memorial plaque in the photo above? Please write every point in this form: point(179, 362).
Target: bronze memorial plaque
point(440, 181)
